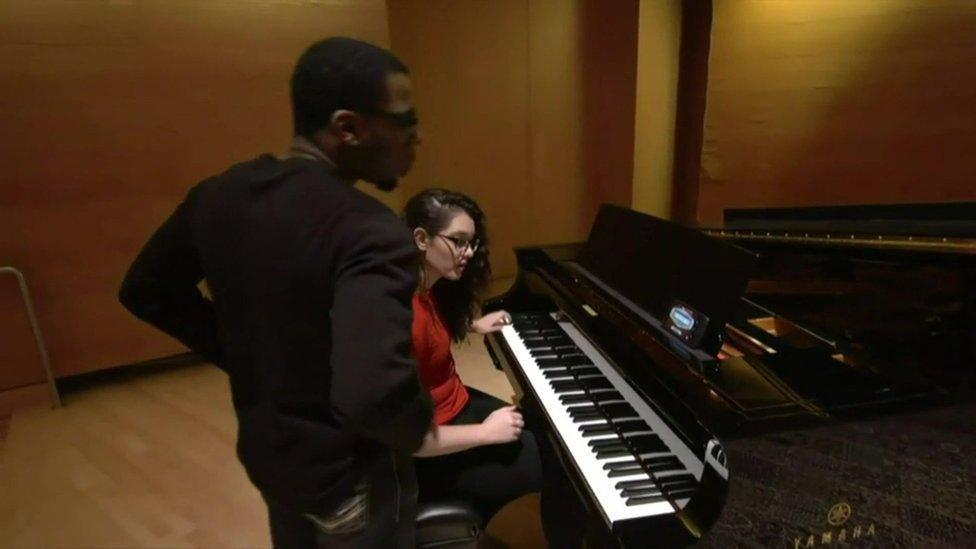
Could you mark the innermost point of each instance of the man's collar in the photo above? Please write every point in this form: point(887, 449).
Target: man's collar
point(304, 148)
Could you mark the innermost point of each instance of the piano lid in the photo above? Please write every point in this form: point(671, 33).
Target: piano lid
point(669, 270)
point(852, 304)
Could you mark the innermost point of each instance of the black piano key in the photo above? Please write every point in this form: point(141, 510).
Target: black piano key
point(622, 464)
point(583, 408)
point(615, 449)
point(647, 443)
point(585, 371)
point(641, 500)
point(634, 487)
point(530, 314)
point(574, 359)
point(640, 483)
point(565, 385)
point(587, 415)
point(544, 333)
point(668, 467)
point(618, 450)
point(642, 491)
point(555, 373)
point(650, 488)
point(546, 343)
point(550, 348)
point(664, 464)
point(616, 409)
point(585, 418)
point(539, 332)
point(612, 452)
point(632, 426)
point(539, 327)
point(596, 383)
point(575, 399)
point(596, 429)
point(670, 462)
point(656, 465)
point(531, 317)
point(518, 320)
point(551, 351)
point(556, 361)
point(682, 494)
point(606, 442)
point(624, 472)
point(672, 481)
point(581, 417)
point(581, 384)
point(549, 364)
point(605, 396)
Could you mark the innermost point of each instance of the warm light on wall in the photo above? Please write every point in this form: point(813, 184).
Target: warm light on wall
point(819, 102)
point(657, 97)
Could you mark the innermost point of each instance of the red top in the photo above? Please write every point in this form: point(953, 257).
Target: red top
point(432, 349)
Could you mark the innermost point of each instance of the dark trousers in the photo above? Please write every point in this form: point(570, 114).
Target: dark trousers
point(382, 514)
point(491, 476)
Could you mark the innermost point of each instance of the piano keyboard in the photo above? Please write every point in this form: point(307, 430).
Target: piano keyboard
point(602, 421)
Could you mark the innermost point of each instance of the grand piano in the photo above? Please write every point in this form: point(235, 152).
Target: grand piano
point(798, 377)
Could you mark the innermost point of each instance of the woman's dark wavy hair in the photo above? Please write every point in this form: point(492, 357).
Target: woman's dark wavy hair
point(457, 300)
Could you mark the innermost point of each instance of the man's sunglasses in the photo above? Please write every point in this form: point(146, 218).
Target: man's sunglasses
point(405, 119)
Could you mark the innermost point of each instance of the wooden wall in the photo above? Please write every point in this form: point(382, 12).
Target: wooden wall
point(109, 112)
point(656, 106)
point(528, 106)
point(815, 102)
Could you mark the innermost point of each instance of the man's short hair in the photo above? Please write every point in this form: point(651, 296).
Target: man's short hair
point(339, 73)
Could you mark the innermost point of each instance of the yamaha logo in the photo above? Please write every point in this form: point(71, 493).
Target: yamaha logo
point(839, 514)
point(837, 517)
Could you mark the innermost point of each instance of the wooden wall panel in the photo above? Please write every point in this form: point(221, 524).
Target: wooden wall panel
point(656, 106)
point(609, 44)
point(470, 72)
point(525, 105)
point(20, 363)
point(820, 102)
point(109, 112)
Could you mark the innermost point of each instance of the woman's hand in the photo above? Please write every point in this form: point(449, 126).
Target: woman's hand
point(491, 322)
point(503, 425)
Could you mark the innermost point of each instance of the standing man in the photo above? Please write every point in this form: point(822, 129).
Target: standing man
point(311, 314)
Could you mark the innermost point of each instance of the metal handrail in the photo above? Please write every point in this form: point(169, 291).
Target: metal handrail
point(35, 327)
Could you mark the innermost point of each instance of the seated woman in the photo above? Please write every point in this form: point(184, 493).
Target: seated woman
point(478, 449)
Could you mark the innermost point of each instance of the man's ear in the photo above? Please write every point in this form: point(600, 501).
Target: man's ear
point(421, 239)
point(348, 126)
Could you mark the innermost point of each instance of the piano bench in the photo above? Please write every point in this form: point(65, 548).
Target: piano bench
point(449, 524)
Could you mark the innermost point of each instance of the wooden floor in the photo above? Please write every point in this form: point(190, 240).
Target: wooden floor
point(147, 460)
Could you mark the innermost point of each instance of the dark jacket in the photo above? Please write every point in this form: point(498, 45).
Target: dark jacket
point(311, 282)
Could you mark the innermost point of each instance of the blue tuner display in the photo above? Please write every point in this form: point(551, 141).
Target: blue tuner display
point(682, 319)
point(686, 323)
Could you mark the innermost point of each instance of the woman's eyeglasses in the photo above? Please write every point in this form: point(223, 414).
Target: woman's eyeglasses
point(463, 244)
